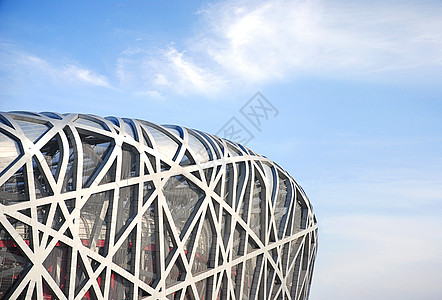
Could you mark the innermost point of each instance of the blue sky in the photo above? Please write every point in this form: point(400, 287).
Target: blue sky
point(357, 84)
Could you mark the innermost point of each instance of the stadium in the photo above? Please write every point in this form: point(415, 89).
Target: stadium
point(117, 208)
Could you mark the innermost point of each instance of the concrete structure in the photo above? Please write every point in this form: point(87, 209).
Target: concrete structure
point(111, 208)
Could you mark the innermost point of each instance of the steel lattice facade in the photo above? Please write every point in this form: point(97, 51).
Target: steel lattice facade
point(111, 208)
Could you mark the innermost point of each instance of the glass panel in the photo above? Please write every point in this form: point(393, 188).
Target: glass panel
point(125, 255)
point(219, 143)
point(33, 131)
point(47, 291)
point(238, 241)
point(166, 145)
point(223, 293)
point(251, 245)
point(24, 292)
point(148, 263)
point(305, 254)
point(90, 295)
point(91, 122)
point(248, 277)
point(5, 121)
point(241, 180)
point(70, 179)
point(269, 180)
point(101, 280)
point(129, 128)
point(175, 295)
point(276, 287)
point(243, 206)
point(202, 153)
point(187, 159)
point(210, 140)
point(182, 197)
point(59, 218)
point(294, 248)
point(251, 279)
point(95, 150)
point(56, 263)
point(282, 204)
point(120, 288)
point(177, 273)
point(52, 154)
point(146, 139)
point(285, 257)
point(191, 241)
point(272, 232)
point(110, 174)
point(43, 212)
point(81, 277)
point(9, 151)
point(148, 189)
point(208, 174)
point(42, 187)
point(127, 208)
point(95, 222)
point(236, 279)
point(142, 293)
point(130, 166)
point(301, 212)
point(152, 161)
point(70, 204)
point(15, 190)
point(164, 166)
point(12, 262)
point(189, 294)
point(217, 189)
point(228, 187)
point(233, 150)
point(23, 230)
point(270, 277)
point(205, 248)
point(52, 115)
point(201, 287)
point(274, 255)
point(114, 121)
point(256, 216)
point(169, 243)
point(176, 130)
point(226, 220)
point(25, 113)
point(26, 212)
point(293, 284)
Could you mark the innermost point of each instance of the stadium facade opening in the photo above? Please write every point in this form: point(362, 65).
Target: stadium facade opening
point(111, 208)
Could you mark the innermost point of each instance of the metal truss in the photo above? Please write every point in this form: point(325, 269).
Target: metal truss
point(111, 208)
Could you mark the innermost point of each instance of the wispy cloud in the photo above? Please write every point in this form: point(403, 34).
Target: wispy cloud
point(273, 39)
point(85, 75)
point(150, 94)
point(21, 65)
point(243, 42)
point(165, 69)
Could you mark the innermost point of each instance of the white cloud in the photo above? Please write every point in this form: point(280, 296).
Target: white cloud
point(242, 43)
point(248, 42)
point(274, 39)
point(150, 94)
point(166, 69)
point(86, 76)
point(23, 65)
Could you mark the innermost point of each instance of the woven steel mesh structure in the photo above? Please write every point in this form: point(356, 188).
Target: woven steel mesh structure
point(111, 208)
